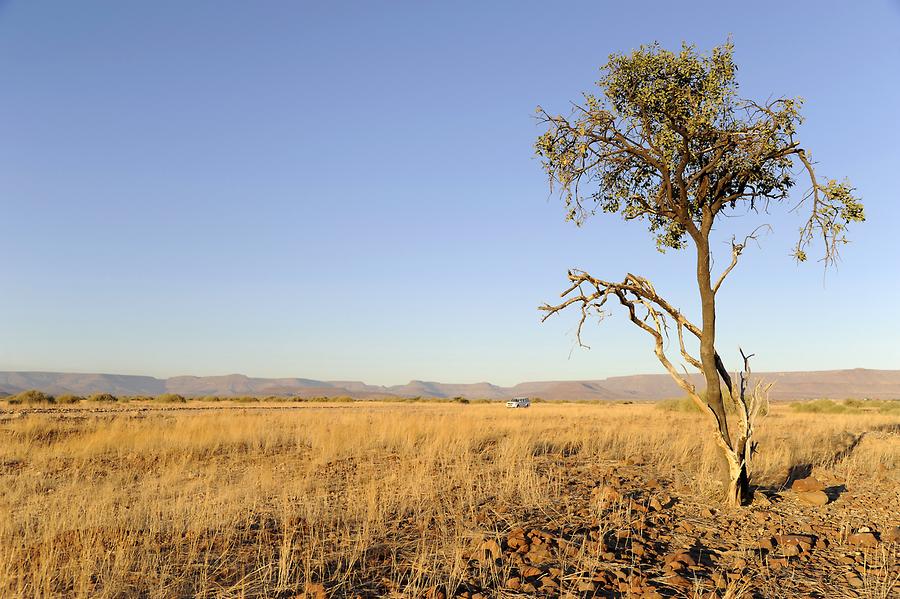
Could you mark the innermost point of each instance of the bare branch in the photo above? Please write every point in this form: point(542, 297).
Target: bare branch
point(736, 250)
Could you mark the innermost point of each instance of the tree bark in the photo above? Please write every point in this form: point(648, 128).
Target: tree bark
point(738, 483)
point(708, 335)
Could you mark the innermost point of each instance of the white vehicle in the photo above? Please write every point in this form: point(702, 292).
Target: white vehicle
point(518, 402)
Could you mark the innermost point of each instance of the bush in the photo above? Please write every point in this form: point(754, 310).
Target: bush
point(682, 404)
point(69, 399)
point(170, 398)
point(847, 406)
point(103, 397)
point(31, 397)
point(820, 406)
point(686, 404)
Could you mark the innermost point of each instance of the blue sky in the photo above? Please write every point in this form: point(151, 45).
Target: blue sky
point(347, 189)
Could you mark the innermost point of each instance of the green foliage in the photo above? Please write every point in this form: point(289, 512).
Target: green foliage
point(31, 397)
point(688, 406)
point(847, 406)
point(682, 404)
point(170, 398)
point(103, 398)
point(69, 399)
point(668, 141)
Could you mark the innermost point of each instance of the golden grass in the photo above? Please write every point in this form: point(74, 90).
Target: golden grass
point(248, 502)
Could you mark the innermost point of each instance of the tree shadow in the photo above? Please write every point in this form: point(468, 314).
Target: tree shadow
point(797, 472)
point(835, 492)
point(804, 470)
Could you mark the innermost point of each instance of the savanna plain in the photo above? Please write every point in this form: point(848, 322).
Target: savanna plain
point(439, 500)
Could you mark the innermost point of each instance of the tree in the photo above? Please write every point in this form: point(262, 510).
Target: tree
point(670, 143)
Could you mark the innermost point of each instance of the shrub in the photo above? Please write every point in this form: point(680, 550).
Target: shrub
point(103, 397)
point(69, 399)
point(820, 406)
point(170, 398)
point(681, 404)
point(31, 397)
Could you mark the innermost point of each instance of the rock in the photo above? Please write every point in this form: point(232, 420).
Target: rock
point(539, 554)
point(767, 543)
point(514, 583)
point(531, 572)
point(655, 505)
point(804, 542)
point(516, 543)
point(803, 485)
point(813, 497)
point(679, 581)
point(863, 539)
point(314, 590)
point(549, 583)
point(516, 539)
point(891, 535)
point(682, 557)
point(490, 549)
point(777, 563)
point(586, 586)
point(607, 494)
point(435, 593)
point(760, 498)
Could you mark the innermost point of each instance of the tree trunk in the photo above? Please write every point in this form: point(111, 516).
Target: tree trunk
point(708, 337)
point(738, 484)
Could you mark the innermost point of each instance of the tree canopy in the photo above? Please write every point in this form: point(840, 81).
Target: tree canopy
point(670, 142)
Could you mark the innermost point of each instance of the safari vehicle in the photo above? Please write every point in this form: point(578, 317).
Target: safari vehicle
point(518, 402)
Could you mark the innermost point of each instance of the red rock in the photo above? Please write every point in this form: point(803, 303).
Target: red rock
point(435, 593)
point(531, 572)
point(863, 539)
point(489, 549)
point(314, 590)
point(810, 483)
point(818, 498)
point(679, 581)
point(514, 583)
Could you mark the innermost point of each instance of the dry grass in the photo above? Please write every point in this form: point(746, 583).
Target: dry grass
point(364, 497)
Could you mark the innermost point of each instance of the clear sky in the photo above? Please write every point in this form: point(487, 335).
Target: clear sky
point(345, 190)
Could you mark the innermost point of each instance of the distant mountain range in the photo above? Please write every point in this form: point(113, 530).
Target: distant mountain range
point(835, 384)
